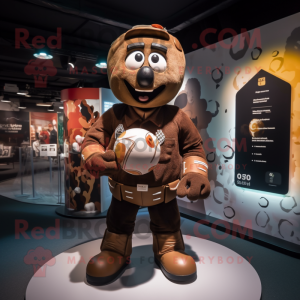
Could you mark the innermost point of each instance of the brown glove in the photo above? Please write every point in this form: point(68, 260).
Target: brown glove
point(99, 162)
point(194, 184)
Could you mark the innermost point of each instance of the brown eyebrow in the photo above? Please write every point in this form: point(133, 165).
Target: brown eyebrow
point(159, 47)
point(135, 45)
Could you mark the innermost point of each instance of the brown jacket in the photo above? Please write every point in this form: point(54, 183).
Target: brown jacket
point(182, 140)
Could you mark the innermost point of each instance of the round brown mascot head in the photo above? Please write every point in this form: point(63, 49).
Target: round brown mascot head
point(145, 66)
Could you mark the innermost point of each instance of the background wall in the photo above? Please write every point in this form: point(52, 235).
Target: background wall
point(217, 73)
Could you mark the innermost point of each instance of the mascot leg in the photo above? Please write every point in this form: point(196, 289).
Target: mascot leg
point(116, 246)
point(168, 245)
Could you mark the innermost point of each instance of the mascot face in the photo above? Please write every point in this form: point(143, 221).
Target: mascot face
point(145, 66)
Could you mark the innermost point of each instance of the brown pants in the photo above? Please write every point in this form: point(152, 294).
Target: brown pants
point(121, 215)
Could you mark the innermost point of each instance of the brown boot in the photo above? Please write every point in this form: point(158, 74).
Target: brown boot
point(114, 257)
point(170, 257)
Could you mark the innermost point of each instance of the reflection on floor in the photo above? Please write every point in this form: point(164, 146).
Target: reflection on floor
point(46, 192)
point(41, 164)
point(279, 273)
point(234, 278)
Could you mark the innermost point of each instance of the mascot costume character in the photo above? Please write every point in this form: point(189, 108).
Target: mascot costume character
point(150, 151)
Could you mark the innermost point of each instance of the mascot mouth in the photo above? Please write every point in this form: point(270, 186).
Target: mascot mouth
point(144, 96)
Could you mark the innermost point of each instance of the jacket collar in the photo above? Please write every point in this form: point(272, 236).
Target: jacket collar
point(155, 116)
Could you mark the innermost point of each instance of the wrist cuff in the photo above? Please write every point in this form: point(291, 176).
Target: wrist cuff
point(194, 164)
point(89, 150)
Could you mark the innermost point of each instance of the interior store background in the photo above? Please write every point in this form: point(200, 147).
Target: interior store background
point(49, 104)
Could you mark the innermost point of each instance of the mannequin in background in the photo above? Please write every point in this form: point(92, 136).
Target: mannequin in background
point(53, 134)
point(45, 136)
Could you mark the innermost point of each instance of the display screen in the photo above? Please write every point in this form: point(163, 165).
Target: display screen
point(263, 111)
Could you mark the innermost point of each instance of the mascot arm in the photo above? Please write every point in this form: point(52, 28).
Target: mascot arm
point(97, 159)
point(194, 183)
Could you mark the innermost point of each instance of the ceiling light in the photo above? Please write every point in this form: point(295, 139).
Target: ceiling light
point(24, 92)
point(44, 104)
point(80, 84)
point(21, 105)
point(42, 54)
point(27, 95)
point(61, 107)
point(72, 61)
point(101, 65)
point(5, 99)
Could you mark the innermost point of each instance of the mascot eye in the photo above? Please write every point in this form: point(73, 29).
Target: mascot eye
point(149, 141)
point(134, 60)
point(157, 62)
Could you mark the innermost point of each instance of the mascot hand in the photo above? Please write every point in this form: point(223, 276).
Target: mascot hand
point(102, 164)
point(195, 186)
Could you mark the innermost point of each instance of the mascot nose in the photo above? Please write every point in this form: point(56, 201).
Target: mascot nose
point(145, 76)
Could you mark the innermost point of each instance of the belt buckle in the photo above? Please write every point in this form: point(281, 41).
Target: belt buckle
point(142, 188)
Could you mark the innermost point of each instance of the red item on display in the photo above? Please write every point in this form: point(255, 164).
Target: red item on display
point(44, 137)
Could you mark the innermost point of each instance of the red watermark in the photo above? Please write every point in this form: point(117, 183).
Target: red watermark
point(199, 70)
point(37, 233)
point(180, 260)
point(244, 38)
point(141, 145)
point(40, 69)
point(37, 42)
point(84, 71)
point(70, 229)
point(177, 260)
point(39, 259)
point(233, 229)
point(101, 260)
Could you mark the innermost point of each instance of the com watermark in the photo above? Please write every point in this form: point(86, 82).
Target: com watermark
point(244, 38)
